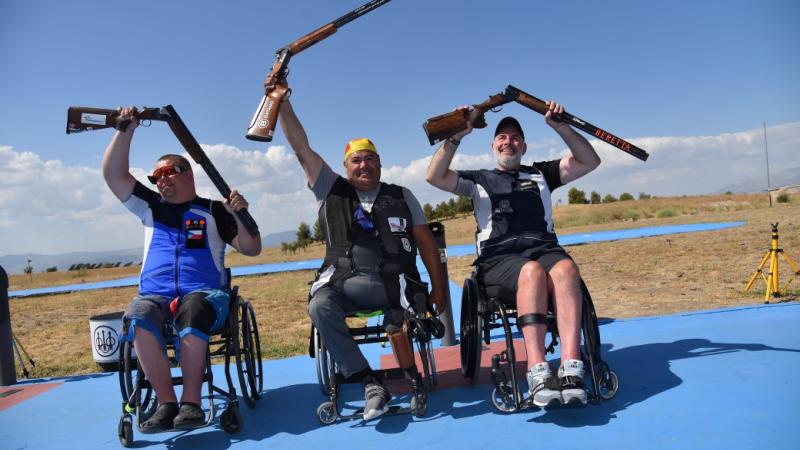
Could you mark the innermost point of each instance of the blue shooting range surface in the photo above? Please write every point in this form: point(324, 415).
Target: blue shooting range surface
point(705, 380)
point(453, 251)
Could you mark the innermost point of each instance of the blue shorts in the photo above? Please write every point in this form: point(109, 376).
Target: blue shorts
point(199, 313)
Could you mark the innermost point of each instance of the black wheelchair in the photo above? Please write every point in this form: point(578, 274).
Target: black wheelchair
point(238, 340)
point(484, 309)
point(421, 328)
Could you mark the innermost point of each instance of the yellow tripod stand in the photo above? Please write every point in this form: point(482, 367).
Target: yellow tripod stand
point(773, 287)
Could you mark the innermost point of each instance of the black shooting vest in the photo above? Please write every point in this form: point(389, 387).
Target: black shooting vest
point(398, 250)
point(521, 213)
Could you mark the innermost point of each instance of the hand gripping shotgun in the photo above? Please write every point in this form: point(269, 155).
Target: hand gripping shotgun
point(87, 119)
point(262, 126)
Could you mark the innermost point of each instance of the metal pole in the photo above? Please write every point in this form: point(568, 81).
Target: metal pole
point(8, 372)
point(446, 317)
point(769, 187)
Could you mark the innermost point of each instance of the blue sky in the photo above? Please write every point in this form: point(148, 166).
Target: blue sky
point(692, 82)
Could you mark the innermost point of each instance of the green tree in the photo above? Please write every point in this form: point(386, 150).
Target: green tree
point(625, 196)
point(576, 197)
point(609, 198)
point(318, 237)
point(303, 233)
point(428, 210)
point(643, 196)
point(595, 197)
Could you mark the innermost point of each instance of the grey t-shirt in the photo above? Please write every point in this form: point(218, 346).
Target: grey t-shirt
point(365, 246)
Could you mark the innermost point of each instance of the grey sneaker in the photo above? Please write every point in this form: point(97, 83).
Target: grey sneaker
point(570, 376)
point(190, 416)
point(376, 398)
point(161, 419)
point(542, 386)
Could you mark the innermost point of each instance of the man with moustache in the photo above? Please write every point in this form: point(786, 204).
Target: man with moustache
point(517, 245)
point(372, 233)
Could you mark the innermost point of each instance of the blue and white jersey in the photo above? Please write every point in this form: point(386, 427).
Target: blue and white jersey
point(184, 244)
point(513, 210)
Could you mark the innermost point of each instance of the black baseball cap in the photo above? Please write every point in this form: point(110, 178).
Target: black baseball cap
point(509, 121)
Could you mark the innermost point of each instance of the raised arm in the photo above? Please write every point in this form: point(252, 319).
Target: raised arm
point(115, 166)
point(583, 159)
point(310, 161)
point(439, 172)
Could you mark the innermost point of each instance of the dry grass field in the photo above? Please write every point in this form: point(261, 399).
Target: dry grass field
point(637, 277)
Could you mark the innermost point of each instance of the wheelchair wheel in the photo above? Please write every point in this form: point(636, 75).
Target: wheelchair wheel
point(419, 405)
point(125, 431)
point(324, 364)
point(248, 356)
point(231, 420)
point(471, 327)
point(608, 384)
point(503, 400)
point(326, 413)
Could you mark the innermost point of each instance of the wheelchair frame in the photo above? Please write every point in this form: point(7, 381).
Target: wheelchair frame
point(330, 379)
point(238, 340)
point(480, 314)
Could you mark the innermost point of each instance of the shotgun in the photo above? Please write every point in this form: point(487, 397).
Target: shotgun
point(527, 100)
point(442, 127)
point(86, 118)
point(262, 126)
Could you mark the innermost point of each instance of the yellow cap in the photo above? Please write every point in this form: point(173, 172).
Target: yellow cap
point(359, 144)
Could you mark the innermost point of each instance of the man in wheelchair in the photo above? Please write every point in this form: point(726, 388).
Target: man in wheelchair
point(183, 273)
point(518, 248)
point(372, 232)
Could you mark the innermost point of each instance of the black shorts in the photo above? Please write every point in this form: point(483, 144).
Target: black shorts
point(503, 270)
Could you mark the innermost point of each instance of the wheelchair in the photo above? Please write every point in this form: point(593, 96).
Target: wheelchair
point(237, 341)
point(484, 309)
point(421, 328)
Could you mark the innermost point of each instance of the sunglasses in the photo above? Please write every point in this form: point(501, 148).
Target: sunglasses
point(166, 171)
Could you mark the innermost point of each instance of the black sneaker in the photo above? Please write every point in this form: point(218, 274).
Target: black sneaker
point(376, 397)
point(161, 420)
point(190, 416)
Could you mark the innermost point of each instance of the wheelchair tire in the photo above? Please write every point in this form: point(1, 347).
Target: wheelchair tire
point(608, 384)
point(326, 413)
point(131, 377)
point(248, 356)
point(125, 431)
point(471, 328)
point(419, 405)
point(500, 400)
point(425, 350)
point(231, 420)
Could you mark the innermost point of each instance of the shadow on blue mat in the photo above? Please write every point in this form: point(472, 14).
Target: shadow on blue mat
point(644, 371)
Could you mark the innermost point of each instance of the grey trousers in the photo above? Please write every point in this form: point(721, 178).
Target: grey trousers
point(328, 308)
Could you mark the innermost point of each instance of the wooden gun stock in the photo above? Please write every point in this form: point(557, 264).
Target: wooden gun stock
point(80, 118)
point(262, 126)
point(442, 127)
point(529, 101)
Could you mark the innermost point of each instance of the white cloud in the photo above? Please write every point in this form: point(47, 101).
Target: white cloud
point(49, 207)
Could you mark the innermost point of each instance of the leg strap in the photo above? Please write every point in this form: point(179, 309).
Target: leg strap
point(531, 319)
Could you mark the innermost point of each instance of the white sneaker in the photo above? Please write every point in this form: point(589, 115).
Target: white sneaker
point(542, 386)
point(570, 377)
point(376, 397)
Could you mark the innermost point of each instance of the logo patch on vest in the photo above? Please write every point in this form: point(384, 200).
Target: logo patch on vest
point(195, 233)
point(397, 225)
point(406, 244)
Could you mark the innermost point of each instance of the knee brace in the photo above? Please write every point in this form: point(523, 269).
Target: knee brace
point(531, 319)
point(401, 346)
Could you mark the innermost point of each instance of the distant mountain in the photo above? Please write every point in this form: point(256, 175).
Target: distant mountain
point(273, 239)
point(785, 177)
point(15, 264)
